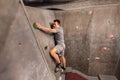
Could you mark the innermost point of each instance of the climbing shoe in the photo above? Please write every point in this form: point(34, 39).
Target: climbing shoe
point(57, 68)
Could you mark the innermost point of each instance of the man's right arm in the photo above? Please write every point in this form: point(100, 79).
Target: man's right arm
point(45, 29)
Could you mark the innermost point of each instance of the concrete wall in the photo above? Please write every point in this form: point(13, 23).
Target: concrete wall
point(43, 39)
point(118, 71)
point(75, 24)
point(23, 52)
point(118, 45)
point(87, 33)
point(7, 16)
point(104, 23)
point(21, 58)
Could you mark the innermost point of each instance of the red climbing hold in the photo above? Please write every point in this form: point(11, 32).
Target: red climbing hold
point(105, 48)
point(111, 36)
point(97, 58)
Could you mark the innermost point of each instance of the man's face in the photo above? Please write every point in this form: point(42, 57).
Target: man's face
point(55, 24)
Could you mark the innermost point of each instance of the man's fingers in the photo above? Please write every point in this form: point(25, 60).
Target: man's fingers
point(35, 24)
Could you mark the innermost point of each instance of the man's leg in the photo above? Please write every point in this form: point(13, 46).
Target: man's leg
point(54, 54)
point(63, 61)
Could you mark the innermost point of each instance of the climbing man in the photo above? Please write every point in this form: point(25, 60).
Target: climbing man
point(58, 51)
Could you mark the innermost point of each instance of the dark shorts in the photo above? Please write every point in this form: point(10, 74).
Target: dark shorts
point(60, 48)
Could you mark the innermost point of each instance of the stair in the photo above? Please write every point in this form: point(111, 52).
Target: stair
point(92, 78)
point(100, 77)
point(107, 77)
point(62, 77)
point(69, 69)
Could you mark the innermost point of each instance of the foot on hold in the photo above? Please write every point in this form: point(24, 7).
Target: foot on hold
point(57, 68)
point(63, 69)
point(60, 68)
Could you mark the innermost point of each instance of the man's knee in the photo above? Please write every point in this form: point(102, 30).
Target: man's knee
point(63, 57)
point(53, 51)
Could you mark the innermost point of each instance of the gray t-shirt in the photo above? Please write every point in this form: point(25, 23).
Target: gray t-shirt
point(59, 36)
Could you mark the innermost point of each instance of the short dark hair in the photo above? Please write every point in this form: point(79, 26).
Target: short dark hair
point(57, 20)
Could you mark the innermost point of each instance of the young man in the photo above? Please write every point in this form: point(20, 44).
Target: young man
point(58, 50)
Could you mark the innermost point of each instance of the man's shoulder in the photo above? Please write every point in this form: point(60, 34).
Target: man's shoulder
point(59, 28)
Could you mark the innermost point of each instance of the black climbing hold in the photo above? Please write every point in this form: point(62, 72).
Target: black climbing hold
point(46, 47)
point(19, 44)
point(19, 1)
point(55, 9)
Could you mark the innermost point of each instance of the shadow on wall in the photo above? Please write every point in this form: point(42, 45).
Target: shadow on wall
point(55, 9)
point(118, 71)
point(38, 3)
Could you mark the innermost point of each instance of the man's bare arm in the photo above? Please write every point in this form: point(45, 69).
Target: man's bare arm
point(45, 29)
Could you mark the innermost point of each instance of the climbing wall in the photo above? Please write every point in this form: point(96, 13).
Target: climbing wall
point(103, 41)
point(118, 45)
point(76, 25)
point(92, 38)
point(45, 40)
point(7, 16)
point(21, 58)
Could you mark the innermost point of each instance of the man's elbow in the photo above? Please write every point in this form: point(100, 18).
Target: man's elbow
point(53, 31)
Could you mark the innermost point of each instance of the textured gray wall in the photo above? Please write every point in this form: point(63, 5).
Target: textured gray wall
point(23, 55)
point(87, 32)
point(103, 24)
point(118, 71)
point(118, 45)
point(21, 58)
point(44, 39)
point(75, 24)
point(7, 16)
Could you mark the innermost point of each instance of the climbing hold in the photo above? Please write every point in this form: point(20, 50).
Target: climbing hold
point(35, 27)
point(90, 12)
point(88, 59)
point(111, 36)
point(48, 16)
point(105, 48)
point(77, 27)
point(46, 47)
point(109, 21)
point(109, 63)
point(53, 36)
point(97, 58)
point(19, 1)
point(19, 44)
